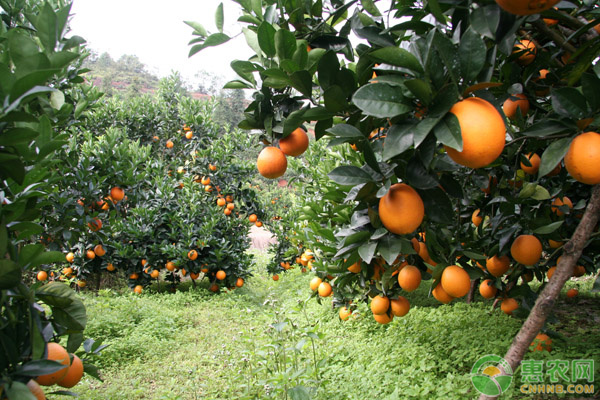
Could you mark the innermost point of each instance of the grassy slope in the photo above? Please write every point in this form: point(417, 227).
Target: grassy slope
point(195, 345)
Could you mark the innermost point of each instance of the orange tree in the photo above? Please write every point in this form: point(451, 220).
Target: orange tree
point(454, 107)
point(42, 100)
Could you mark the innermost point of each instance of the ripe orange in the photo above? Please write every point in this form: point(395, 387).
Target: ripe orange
point(541, 342)
point(554, 244)
point(409, 278)
point(212, 167)
point(42, 276)
point(527, 50)
point(170, 266)
point(440, 295)
point(81, 283)
point(557, 202)
point(535, 161)
point(509, 305)
point(325, 289)
point(208, 188)
point(221, 202)
point(169, 144)
point(194, 275)
point(526, 249)
point(117, 194)
point(57, 353)
point(483, 133)
point(487, 289)
point(110, 267)
point(192, 254)
point(70, 257)
point(579, 270)
point(74, 373)
point(314, 283)
point(205, 180)
point(95, 225)
point(189, 135)
point(221, 275)
point(380, 304)
point(99, 250)
point(252, 218)
point(455, 281)
point(239, 282)
point(400, 306)
point(35, 389)
point(384, 318)
point(526, 7)
point(230, 206)
point(67, 271)
point(356, 267)
point(476, 219)
point(510, 105)
point(344, 313)
point(295, 143)
point(154, 274)
point(214, 288)
point(155, 139)
point(90, 254)
point(551, 272)
point(134, 276)
point(275, 277)
point(227, 211)
point(258, 224)
point(572, 292)
point(498, 266)
point(138, 289)
point(583, 157)
point(401, 209)
point(271, 162)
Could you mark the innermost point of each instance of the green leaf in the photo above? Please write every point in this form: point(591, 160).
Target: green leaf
point(198, 28)
point(328, 68)
point(335, 99)
point(10, 274)
point(15, 136)
point(420, 89)
point(367, 250)
point(266, 38)
point(438, 207)
point(345, 131)
point(57, 99)
point(252, 41)
point(569, 102)
point(544, 230)
point(389, 247)
point(219, 17)
point(349, 175)
point(46, 25)
point(370, 7)
point(237, 84)
point(399, 139)
point(245, 70)
point(67, 309)
point(448, 53)
point(553, 155)
point(590, 85)
point(417, 175)
point(434, 7)
point(293, 121)
point(397, 57)
point(299, 393)
point(285, 44)
point(540, 193)
point(317, 114)
point(215, 39)
point(36, 368)
point(18, 390)
point(448, 132)
point(75, 340)
point(302, 82)
point(546, 128)
point(472, 54)
point(381, 100)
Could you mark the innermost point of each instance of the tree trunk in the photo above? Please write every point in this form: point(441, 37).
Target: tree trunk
point(545, 302)
point(474, 286)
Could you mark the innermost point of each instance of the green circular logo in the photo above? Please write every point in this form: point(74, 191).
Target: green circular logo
point(491, 375)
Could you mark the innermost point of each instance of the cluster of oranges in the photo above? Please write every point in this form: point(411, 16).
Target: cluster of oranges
point(66, 377)
point(272, 161)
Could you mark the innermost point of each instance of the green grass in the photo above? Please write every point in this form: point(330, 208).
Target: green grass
point(247, 343)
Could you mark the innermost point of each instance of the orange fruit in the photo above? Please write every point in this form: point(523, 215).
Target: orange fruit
point(535, 161)
point(526, 7)
point(70, 257)
point(557, 202)
point(440, 295)
point(526, 249)
point(99, 250)
point(189, 135)
point(483, 133)
point(212, 167)
point(554, 244)
point(170, 266)
point(551, 272)
point(579, 270)
point(35, 389)
point(295, 143)
point(527, 50)
point(275, 277)
point(192, 254)
point(144, 262)
point(476, 219)
point(74, 373)
point(138, 289)
point(583, 157)
point(510, 105)
point(258, 224)
point(90, 254)
point(541, 342)
point(252, 218)
point(380, 304)
point(95, 225)
point(110, 267)
point(271, 162)
point(154, 274)
point(487, 289)
point(221, 274)
point(205, 180)
point(227, 211)
point(384, 318)
point(498, 266)
point(400, 306)
point(239, 282)
point(455, 281)
point(82, 283)
point(208, 188)
point(67, 271)
point(42, 276)
point(356, 267)
point(56, 353)
point(325, 289)
point(527, 276)
point(409, 278)
point(134, 276)
point(230, 206)
point(314, 283)
point(401, 209)
point(509, 305)
point(214, 288)
point(117, 194)
point(194, 275)
point(221, 202)
point(169, 144)
point(572, 293)
point(344, 313)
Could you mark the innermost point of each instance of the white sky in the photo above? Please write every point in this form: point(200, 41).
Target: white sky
point(154, 31)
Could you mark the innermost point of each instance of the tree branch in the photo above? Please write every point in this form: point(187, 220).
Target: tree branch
point(558, 39)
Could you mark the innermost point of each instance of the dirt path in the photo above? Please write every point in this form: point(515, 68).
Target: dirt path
point(261, 238)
